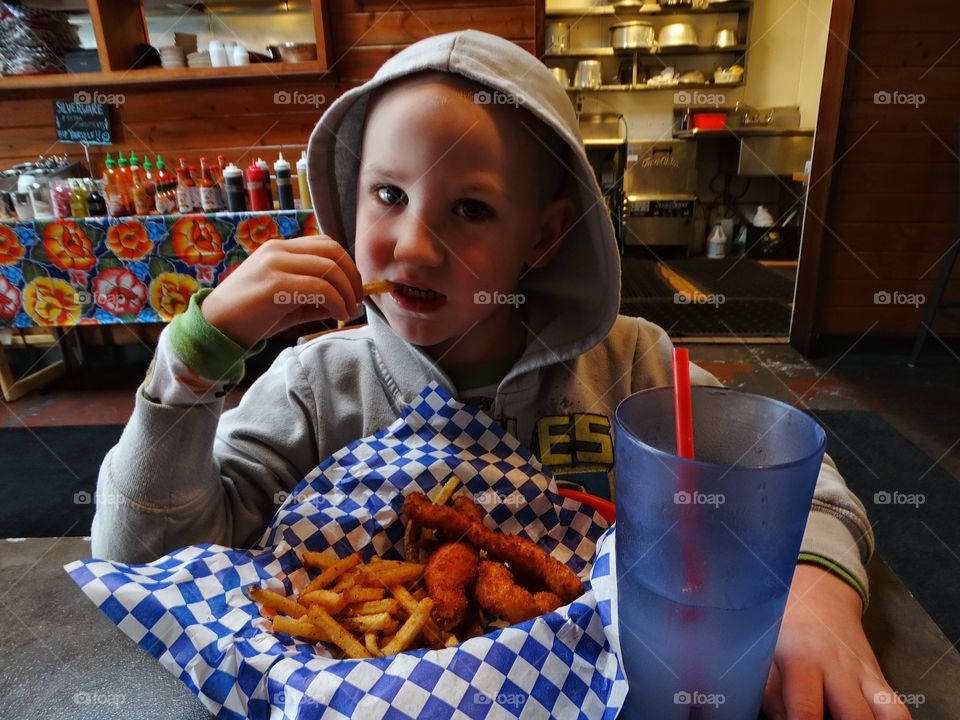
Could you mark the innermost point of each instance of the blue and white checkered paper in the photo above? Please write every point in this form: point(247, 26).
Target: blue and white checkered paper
point(188, 609)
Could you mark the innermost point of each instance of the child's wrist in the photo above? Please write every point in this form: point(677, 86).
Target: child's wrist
point(204, 348)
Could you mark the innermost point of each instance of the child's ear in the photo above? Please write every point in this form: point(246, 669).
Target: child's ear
point(555, 220)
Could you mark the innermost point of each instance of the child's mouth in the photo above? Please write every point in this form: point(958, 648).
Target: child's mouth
point(416, 299)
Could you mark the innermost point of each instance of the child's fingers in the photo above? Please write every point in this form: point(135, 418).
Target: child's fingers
point(844, 696)
point(773, 695)
point(315, 298)
point(321, 268)
point(884, 703)
point(802, 690)
point(323, 246)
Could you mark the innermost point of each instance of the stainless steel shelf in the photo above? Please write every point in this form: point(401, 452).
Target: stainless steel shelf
point(610, 52)
point(600, 10)
point(643, 88)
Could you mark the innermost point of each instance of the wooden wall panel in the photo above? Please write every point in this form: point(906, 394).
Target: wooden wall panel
point(893, 203)
point(366, 34)
point(246, 117)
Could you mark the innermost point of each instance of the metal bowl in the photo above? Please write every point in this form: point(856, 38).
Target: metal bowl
point(725, 38)
point(588, 75)
point(294, 52)
point(632, 35)
point(678, 35)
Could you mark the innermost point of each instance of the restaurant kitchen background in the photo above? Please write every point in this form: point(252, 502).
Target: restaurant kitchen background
point(698, 116)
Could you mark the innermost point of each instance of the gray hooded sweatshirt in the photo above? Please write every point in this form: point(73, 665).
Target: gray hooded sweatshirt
point(185, 472)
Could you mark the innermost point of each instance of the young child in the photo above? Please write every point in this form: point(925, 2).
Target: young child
point(457, 172)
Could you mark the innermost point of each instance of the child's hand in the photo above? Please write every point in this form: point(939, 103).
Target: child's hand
point(824, 658)
point(282, 284)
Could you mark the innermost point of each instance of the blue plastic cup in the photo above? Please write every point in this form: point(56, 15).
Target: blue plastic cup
point(706, 548)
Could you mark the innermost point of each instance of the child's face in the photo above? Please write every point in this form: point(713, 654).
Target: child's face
point(447, 202)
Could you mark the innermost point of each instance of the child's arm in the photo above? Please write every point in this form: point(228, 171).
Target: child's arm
point(179, 474)
point(823, 657)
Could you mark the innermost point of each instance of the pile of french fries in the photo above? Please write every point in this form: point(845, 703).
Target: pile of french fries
point(365, 610)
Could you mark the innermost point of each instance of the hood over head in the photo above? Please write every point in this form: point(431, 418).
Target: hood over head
point(571, 303)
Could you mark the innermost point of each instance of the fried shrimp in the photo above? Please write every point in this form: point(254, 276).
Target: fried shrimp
point(522, 555)
point(498, 594)
point(449, 571)
point(467, 506)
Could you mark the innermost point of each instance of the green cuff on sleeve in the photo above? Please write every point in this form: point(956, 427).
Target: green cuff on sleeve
point(203, 348)
point(835, 569)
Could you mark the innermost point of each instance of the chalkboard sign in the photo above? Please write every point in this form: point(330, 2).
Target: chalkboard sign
point(84, 123)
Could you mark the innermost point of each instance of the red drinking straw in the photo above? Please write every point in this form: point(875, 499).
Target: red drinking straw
point(683, 412)
point(689, 540)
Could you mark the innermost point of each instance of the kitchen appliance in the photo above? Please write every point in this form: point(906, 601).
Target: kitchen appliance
point(725, 38)
point(659, 184)
point(605, 140)
point(588, 75)
point(55, 166)
point(708, 121)
point(632, 35)
point(557, 37)
point(677, 35)
point(659, 220)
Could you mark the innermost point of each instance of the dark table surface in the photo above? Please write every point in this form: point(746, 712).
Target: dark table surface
point(60, 657)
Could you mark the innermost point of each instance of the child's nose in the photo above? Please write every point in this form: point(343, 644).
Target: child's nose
point(419, 244)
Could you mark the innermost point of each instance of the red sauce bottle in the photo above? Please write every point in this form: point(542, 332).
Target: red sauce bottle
point(257, 197)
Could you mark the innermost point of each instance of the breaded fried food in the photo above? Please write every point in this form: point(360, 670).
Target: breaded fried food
point(520, 553)
point(498, 594)
point(467, 506)
point(547, 601)
point(450, 570)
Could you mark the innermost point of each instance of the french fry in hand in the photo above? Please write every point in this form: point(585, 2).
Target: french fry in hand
point(376, 287)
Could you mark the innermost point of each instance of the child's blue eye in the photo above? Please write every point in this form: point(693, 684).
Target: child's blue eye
point(390, 194)
point(473, 210)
